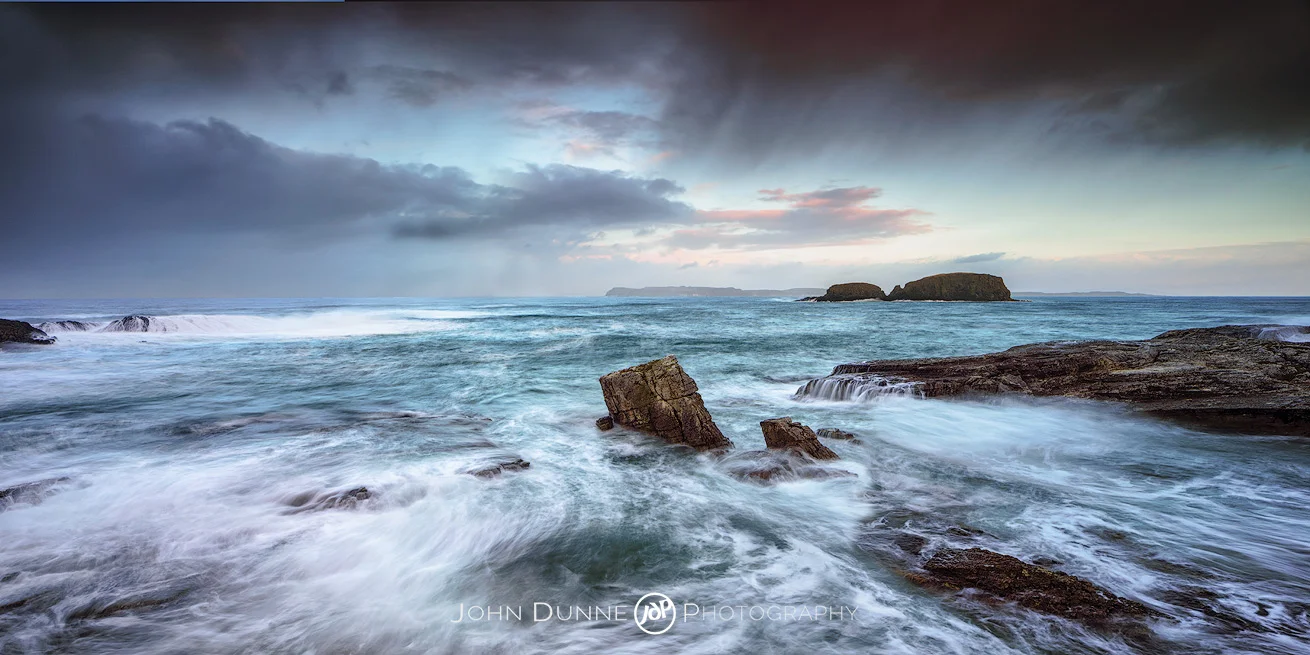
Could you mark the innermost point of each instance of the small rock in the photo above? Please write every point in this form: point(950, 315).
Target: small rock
point(496, 468)
point(605, 423)
point(778, 466)
point(834, 433)
point(345, 499)
point(784, 433)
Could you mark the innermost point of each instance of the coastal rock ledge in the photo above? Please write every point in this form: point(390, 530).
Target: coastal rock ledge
point(1242, 378)
point(659, 398)
point(22, 332)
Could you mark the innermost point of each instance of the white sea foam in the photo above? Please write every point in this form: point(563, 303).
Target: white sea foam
point(330, 323)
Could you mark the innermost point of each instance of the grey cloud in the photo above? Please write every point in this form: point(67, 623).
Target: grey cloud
point(562, 197)
point(420, 87)
point(980, 257)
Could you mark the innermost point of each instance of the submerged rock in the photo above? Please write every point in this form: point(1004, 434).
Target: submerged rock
point(604, 423)
point(834, 433)
point(659, 398)
point(344, 499)
point(494, 469)
point(850, 291)
point(29, 493)
point(22, 332)
point(778, 466)
point(134, 323)
point(1246, 378)
point(66, 326)
point(786, 434)
point(953, 286)
point(1031, 586)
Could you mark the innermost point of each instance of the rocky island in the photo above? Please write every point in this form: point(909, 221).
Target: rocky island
point(966, 287)
point(1243, 378)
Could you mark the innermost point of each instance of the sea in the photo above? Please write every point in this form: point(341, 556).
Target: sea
point(199, 484)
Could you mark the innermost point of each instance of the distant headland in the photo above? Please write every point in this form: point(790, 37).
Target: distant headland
point(725, 292)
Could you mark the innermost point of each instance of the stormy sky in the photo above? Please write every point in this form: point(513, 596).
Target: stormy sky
point(514, 149)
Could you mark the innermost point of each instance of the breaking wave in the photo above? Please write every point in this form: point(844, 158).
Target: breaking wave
point(859, 388)
point(1291, 333)
point(337, 323)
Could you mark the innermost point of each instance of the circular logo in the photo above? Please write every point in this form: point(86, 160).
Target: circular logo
point(654, 614)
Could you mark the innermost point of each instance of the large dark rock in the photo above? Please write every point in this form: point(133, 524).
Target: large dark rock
point(1031, 586)
point(66, 326)
point(1246, 378)
point(953, 286)
point(22, 332)
point(851, 291)
point(786, 434)
point(659, 398)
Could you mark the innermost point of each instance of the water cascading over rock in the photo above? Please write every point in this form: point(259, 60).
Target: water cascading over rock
point(659, 398)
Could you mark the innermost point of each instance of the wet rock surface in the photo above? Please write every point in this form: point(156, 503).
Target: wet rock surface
point(604, 423)
point(975, 287)
point(1243, 378)
point(1031, 586)
point(786, 434)
point(659, 398)
point(66, 326)
point(22, 332)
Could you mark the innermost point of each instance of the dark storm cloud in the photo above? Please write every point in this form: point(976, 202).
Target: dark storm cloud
point(739, 79)
point(420, 87)
point(96, 176)
point(1170, 72)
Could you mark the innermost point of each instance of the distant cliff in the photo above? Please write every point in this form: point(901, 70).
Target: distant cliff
point(725, 292)
point(850, 291)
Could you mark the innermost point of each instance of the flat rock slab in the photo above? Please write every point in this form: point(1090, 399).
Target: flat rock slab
point(1243, 378)
point(786, 434)
point(1031, 586)
point(659, 398)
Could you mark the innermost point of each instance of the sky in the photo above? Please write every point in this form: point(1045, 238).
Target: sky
point(502, 149)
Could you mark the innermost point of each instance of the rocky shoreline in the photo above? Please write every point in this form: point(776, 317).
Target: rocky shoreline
point(1238, 378)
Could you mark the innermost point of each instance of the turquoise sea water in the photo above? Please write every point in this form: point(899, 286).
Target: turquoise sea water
point(185, 452)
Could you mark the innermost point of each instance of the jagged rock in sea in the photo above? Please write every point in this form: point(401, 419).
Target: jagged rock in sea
point(786, 434)
point(1031, 586)
point(134, 323)
point(659, 398)
point(495, 468)
point(604, 423)
point(29, 493)
point(1245, 378)
point(22, 332)
point(770, 466)
point(953, 286)
point(850, 291)
point(66, 326)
